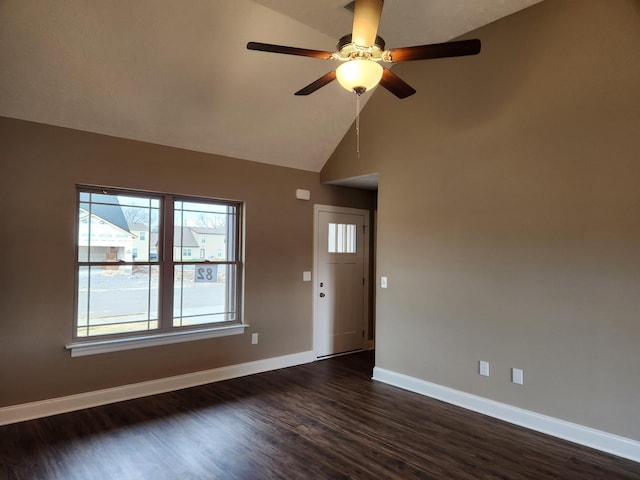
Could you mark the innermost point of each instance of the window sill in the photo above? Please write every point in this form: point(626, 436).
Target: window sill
point(79, 349)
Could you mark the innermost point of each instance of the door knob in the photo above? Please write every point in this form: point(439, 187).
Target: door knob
point(321, 295)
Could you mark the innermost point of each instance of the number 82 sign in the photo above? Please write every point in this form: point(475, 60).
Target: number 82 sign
point(206, 273)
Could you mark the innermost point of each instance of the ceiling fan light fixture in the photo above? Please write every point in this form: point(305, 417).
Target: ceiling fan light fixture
point(363, 49)
point(359, 75)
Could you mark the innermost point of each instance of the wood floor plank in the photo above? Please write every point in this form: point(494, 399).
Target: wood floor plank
point(325, 420)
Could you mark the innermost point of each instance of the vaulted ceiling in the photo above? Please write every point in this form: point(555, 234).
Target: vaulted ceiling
point(178, 73)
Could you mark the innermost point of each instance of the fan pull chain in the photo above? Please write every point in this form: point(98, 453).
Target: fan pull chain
point(358, 124)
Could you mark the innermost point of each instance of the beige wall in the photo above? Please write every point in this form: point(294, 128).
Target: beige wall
point(509, 214)
point(39, 169)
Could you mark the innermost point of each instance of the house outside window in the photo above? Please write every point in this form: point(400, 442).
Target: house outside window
point(127, 288)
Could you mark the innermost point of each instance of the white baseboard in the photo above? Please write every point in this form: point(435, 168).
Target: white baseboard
point(589, 437)
point(54, 406)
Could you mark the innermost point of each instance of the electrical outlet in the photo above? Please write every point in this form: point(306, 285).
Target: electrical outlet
point(484, 368)
point(254, 338)
point(517, 376)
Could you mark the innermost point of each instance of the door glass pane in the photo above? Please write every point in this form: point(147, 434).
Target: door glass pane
point(342, 238)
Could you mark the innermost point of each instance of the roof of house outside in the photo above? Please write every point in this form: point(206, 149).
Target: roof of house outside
point(139, 227)
point(108, 209)
point(209, 230)
point(182, 237)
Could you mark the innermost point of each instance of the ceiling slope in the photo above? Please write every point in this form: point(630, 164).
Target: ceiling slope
point(178, 73)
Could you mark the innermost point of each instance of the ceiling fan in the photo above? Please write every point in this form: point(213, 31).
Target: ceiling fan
point(363, 51)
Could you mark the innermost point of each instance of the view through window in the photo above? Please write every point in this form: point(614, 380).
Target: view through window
point(155, 263)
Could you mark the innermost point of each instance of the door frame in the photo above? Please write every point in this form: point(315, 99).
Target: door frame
point(366, 214)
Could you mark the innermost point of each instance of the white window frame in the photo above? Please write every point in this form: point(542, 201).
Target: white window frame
point(166, 333)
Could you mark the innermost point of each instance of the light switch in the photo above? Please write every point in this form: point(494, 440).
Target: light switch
point(306, 276)
point(383, 282)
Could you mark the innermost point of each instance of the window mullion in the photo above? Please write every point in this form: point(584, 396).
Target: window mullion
point(166, 264)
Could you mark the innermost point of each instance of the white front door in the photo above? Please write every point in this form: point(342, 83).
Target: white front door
point(340, 288)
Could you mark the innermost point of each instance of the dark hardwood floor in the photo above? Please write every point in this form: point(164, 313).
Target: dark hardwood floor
point(316, 421)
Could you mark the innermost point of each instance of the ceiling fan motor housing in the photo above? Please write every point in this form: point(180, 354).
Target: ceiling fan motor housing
point(346, 40)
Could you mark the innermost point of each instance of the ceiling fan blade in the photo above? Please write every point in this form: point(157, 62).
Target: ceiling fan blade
point(303, 52)
point(366, 18)
point(395, 84)
point(319, 83)
point(435, 50)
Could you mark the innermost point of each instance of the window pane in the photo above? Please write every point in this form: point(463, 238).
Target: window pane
point(204, 232)
point(121, 258)
point(342, 238)
point(204, 294)
point(111, 227)
point(117, 299)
